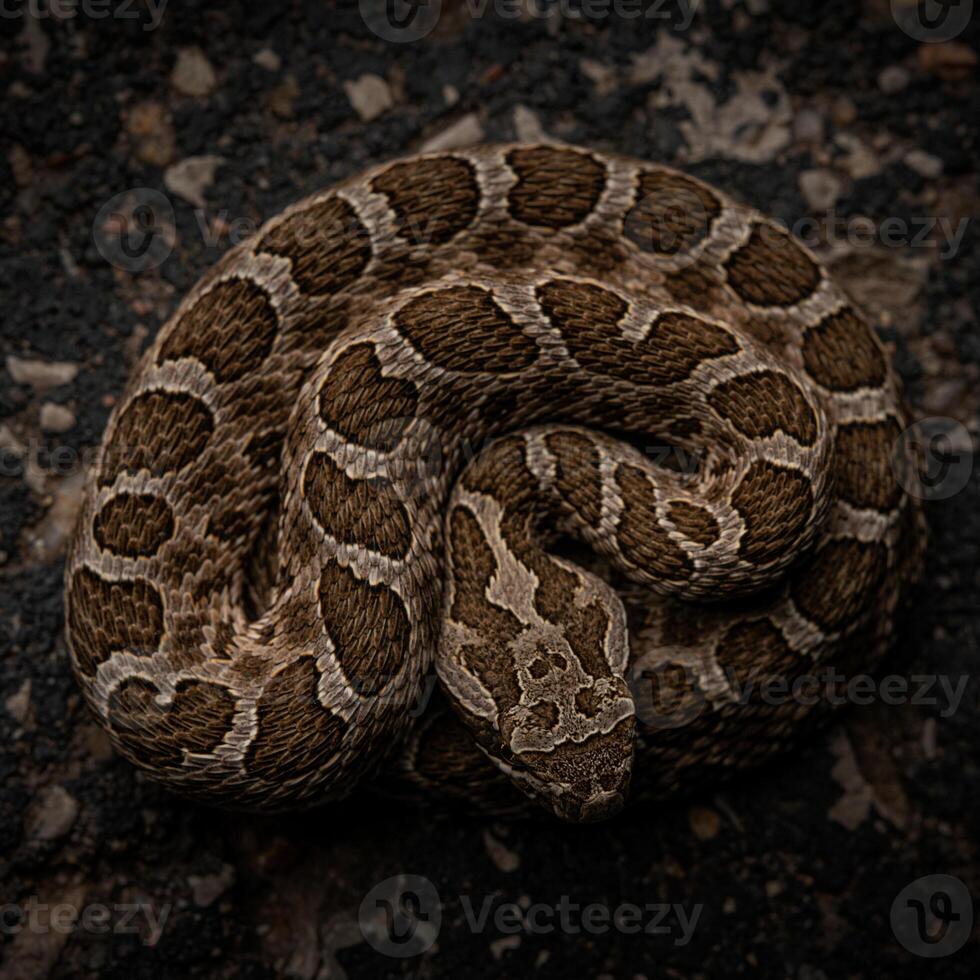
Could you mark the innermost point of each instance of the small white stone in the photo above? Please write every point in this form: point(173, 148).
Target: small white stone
point(808, 126)
point(822, 188)
point(55, 815)
point(56, 418)
point(267, 59)
point(464, 132)
point(370, 95)
point(208, 888)
point(893, 79)
point(501, 855)
point(527, 126)
point(603, 77)
point(40, 374)
point(924, 164)
point(193, 74)
point(191, 177)
point(18, 705)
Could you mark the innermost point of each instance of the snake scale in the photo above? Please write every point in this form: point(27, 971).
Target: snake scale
point(580, 436)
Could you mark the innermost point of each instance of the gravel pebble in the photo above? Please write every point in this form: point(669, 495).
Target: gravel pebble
point(924, 164)
point(40, 374)
point(370, 95)
point(191, 177)
point(193, 74)
point(56, 418)
point(808, 126)
point(822, 188)
point(267, 59)
point(893, 79)
point(464, 132)
point(154, 139)
point(705, 822)
point(55, 814)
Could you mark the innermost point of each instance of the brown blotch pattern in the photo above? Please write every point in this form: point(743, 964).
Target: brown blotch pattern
point(755, 653)
point(776, 504)
point(577, 475)
point(772, 269)
point(546, 714)
point(864, 457)
point(133, 525)
point(296, 735)
point(462, 328)
point(555, 187)
point(160, 431)
point(695, 285)
point(677, 343)
point(326, 242)
point(694, 522)
point(368, 625)
point(473, 569)
point(668, 693)
point(104, 617)
point(433, 200)
point(363, 405)
point(641, 538)
point(264, 448)
point(196, 721)
point(230, 330)
point(360, 512)
point(840, 582)
point(841, 353)
point(231, 523)
point(589, 319)
point(672, 213)
point(760, 403)
point(585, 632)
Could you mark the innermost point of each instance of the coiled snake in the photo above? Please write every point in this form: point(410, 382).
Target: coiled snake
point(373, 436)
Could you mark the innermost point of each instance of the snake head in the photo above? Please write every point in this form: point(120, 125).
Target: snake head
point(571, 734)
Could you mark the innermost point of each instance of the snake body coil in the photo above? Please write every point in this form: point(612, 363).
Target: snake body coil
point(352, 453)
